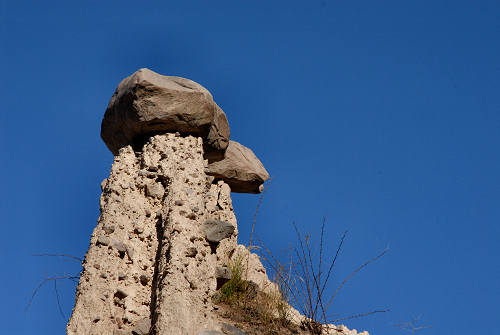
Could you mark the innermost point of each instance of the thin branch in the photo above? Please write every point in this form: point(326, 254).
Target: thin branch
point(410, 326)
point(35, 291)
point(253, 223)
point(332, 264)
point(306, 281)
point(360, 315)
point(354, 272)
point(257, 210)
point(59, 300)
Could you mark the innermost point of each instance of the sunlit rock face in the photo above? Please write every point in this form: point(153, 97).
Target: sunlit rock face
point(147, 104)
point(167, 230)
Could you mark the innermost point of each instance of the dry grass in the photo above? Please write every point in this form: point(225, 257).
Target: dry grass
point(301, 282)
point(255, 312)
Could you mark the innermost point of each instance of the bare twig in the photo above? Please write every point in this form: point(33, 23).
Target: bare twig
point(306, 281)
point(257, 211)
point(74, 278)
point(354, 272)
point(250, 247)
point(45, 280)
point(411, 326)
point(359, 315)
point(58, 300)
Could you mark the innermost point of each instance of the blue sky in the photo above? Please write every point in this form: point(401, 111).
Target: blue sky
point(382, 116)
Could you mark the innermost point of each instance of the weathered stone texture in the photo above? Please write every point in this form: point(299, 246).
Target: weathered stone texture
point(240, 169)
point(147, 103)
point(149, 257)
point(122, 250)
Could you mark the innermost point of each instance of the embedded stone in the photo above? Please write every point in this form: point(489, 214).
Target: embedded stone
point(223, 272)
point(231, 330)
point(191, 252)
point(216, 230)
point(121, 294)
point(222, 275)
point(103, 240)
point(122, 332)
point(108, 229)
point(155, 190)
point(142, 327)
point(120, 246)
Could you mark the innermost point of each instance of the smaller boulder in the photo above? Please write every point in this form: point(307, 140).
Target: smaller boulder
point(216, 230)
point(240, 169)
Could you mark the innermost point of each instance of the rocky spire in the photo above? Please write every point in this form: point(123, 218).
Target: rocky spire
point(167, 230)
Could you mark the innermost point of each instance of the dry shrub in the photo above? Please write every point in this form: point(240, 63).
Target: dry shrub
point(305, 279)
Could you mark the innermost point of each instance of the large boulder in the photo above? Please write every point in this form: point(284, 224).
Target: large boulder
point(147, 103)
point(240, 169)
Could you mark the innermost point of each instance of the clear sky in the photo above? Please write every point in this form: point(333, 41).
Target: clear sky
point(382, 116)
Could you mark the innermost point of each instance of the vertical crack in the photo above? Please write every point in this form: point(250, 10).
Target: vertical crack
point(154, 283)
point(157, 276)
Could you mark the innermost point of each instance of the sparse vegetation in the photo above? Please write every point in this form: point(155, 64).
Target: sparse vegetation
point(301, 283)
point(252, 309)
point(236, 287)
point(305, 280)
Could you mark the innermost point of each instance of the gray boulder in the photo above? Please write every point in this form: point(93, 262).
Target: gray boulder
point(142, 327)
point(240, 169)
point(231, 330)
point(147, 103)
point(216, 230)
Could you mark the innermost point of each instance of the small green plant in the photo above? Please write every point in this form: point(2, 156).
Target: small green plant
point(231, 291)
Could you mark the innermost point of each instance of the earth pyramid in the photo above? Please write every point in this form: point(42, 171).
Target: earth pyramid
point(167, 230)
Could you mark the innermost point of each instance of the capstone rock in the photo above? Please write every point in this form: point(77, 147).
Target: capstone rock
point(147, 103)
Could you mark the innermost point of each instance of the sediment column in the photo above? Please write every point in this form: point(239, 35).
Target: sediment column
point(150, 265)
